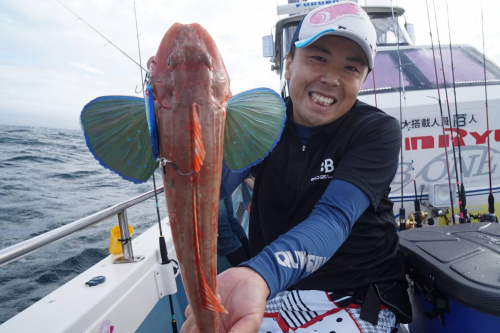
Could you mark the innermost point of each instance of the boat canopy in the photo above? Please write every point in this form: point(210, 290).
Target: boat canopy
point(418, 69)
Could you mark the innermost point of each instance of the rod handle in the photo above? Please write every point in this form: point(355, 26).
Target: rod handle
point(491, 203)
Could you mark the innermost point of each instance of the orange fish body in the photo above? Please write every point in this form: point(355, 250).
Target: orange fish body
point(191, 87)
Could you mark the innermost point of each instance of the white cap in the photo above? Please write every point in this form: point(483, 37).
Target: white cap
point(345, 19)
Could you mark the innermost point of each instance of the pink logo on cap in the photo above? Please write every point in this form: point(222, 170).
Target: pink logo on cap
point(332, 13)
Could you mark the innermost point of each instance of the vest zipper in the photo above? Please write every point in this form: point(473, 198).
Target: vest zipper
point(300, 172)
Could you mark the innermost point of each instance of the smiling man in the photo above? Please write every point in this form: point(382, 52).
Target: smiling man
point(325, 79)
point(322, 230)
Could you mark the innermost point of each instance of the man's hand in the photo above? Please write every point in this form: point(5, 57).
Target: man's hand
point(243, 294)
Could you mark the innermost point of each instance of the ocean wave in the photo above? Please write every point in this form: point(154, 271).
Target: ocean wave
point(75, 175)
point(19, 129)
point(14, 187)
point(37, 159)
point(21, 141)
point(47, 278)
point(80, 262)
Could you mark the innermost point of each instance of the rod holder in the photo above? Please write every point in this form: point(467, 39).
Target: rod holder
point(128, 251)
point(165, 279)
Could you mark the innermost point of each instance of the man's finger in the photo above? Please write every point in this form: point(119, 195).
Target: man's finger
point(189, 325)
point(248, 324)
point(188, 311)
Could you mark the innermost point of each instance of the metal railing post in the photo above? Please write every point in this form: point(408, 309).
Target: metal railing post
point(128, 252)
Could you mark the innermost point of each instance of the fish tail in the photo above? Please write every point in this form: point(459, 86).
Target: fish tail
point(207, 297)
point(198, 154)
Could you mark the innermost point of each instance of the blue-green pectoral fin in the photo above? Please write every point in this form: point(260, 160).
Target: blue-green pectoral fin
point(116, 132)
point(254, 123)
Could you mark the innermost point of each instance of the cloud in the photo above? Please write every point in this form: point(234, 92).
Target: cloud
point(86, 67)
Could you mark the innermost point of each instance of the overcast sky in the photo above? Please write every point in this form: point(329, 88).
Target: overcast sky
point(52, 64)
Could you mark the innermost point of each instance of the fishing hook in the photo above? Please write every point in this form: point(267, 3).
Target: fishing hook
point(164, 161)
point(142, 89)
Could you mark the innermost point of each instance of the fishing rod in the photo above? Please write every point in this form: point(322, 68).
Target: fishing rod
point(441, 111)
point(373, 69)
point(490, 216)
point(110, 42)
point(460, 187)
point(402, 95)
point(163, 246)
point(402, 211)
point(449, 112)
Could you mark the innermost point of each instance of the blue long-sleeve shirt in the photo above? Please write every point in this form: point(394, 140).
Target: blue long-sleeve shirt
point(306, 247)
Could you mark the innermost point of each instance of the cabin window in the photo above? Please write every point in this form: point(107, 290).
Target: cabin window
point(386, 34)
point(287, 37)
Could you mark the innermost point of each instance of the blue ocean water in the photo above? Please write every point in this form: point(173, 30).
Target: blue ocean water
point(48, 178)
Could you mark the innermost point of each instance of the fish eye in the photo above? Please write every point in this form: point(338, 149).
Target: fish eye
point(168, 62)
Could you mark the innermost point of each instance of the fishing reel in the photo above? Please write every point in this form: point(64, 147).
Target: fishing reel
point(490, 216)
point(411, 221)
point(486, 217)
point(466, 219)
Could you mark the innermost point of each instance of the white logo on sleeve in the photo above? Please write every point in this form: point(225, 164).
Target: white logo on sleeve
point(300, 260)
point(327, 166)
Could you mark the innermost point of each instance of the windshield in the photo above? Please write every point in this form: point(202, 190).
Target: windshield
point(288, 32)
point(386, 35)
point(418, 69)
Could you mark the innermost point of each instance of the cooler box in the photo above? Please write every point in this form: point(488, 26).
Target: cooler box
point(455, 277)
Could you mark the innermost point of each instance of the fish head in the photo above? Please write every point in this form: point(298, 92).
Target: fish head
point(188, 68)
point(191, 89)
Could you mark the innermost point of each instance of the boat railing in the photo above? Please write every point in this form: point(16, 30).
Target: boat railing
point(17, 251)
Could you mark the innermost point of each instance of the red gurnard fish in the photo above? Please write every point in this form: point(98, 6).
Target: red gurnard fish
point(191, 87)
point(190, 125)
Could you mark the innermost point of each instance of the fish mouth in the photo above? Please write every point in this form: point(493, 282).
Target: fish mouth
point(322, 99)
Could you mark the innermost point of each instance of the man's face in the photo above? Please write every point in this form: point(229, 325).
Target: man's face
point(325, 78)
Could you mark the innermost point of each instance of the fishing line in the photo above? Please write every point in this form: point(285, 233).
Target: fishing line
point(373, 69)
point(374, 87)
point(491, 198)
point(135, 62)
point(461, 187)
point(448, 106)
point(163, 246)
point(402, 94)
point(441, 111)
